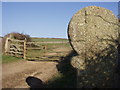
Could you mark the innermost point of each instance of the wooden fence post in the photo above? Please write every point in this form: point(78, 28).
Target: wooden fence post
point(24, 49)
point(6, 45)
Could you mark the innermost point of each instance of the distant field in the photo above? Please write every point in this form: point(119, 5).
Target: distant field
point(48, 39)
point(52, 49)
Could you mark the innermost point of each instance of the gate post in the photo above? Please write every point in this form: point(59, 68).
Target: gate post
point(24, 55)
point(7, 46)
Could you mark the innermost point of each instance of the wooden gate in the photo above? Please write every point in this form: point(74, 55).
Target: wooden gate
point(31, 50)
point(21, 48)
point(15, 48)
point(35, 50)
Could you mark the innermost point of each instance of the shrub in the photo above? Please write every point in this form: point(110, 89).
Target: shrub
point(18, 36)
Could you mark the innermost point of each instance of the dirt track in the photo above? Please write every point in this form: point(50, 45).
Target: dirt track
point(14, 74)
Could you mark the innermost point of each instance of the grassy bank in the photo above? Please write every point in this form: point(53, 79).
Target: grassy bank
point(9, 59)
point(67, 76)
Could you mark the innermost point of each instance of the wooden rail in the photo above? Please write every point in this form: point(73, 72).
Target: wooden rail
point(18, 49)
point(48, 42)
point(16, 45)
point(15, 40)
point(34, 48)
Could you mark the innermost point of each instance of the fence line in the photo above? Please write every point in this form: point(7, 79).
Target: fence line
point(34, 48)
point(48, 42)
point(19, 48)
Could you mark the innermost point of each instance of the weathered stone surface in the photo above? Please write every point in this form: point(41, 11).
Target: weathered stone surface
point(93, 34)
point(90, 25)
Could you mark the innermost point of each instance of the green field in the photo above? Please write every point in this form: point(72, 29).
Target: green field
point(48, 39)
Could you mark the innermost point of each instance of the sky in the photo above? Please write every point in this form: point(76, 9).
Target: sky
point(0, 19)
point(60, 0)
point(44, 19)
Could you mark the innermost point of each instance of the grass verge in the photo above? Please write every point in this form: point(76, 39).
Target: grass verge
point(9, 59)
point(67, 76)
point(48, 39)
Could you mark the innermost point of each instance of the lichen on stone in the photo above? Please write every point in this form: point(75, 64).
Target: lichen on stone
point(93, 32)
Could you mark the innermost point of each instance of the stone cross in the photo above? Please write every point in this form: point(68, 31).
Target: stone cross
point(93, 34)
